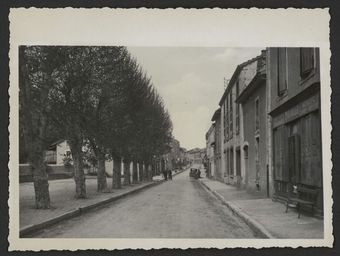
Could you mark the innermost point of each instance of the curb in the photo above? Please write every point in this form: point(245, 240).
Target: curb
point(253, 224)
point(25, 231)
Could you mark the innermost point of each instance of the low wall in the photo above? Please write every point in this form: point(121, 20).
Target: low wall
point(54, 172)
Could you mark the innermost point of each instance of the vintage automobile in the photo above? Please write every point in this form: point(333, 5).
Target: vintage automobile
point(195, 173)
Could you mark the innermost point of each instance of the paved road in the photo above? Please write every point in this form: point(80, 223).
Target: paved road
point(180, 208)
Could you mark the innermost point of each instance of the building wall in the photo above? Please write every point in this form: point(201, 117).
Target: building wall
point(218, 148)
point(233, 164)
point(296, 125)
point(256, 171)
point(210, 150)
point(62, 149)
point(295, 84)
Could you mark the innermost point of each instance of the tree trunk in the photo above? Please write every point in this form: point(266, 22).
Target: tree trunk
point(101, 173)
point(34, 125)
point(126, 172)
point(146, 172)
point(134, 172)
point(116, 173)
point(40, 179)
point(141, 172)
point(79, 176)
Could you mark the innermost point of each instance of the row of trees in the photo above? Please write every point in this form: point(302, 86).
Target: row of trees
point(94, 95)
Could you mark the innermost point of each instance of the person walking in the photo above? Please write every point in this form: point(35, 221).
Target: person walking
point(170, 174)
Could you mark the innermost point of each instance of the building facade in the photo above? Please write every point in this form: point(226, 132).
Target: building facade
point(294, 79)
point(216, 119)
point(241, 165)
point(210, 144)
point(254, 103)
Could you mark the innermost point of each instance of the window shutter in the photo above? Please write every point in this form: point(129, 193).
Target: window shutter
point(306, 61)
point(294, 158)
point(278, 153)
point(282, 71)
point(285, 167)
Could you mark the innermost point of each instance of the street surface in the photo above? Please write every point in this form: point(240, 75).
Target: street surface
point(179, 208)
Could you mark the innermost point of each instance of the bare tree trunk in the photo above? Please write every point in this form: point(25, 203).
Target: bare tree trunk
point(101, 173)
point(141, 172)
point(34, 129)
point(79, 175)
point(116, 173)
point(134, 172)
point(126, 172)
point(146, 172)
point(40, 179)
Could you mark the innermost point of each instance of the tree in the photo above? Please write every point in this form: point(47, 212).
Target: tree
point(34, 111)
point(72, 97)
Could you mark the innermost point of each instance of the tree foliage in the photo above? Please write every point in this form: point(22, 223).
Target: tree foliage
point(98, 96)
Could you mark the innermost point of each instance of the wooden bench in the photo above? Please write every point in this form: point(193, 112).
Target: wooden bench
point(305, 196)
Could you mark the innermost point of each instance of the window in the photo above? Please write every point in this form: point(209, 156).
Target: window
point(231, 115)
point(306, 61)
point(226, 119)
point(231, 161)
point(257, 119)
point(282, 70)
point(237, 114)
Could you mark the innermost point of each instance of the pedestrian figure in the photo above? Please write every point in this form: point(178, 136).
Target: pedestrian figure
point(165, 174)
point(170, 174)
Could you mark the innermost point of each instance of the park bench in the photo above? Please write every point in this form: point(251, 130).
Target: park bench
point(305, 196)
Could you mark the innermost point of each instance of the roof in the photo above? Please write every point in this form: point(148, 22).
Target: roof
point(216, 114)
point(235, 75)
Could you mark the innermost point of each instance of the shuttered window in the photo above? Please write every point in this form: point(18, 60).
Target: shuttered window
point(226, 120)
point(237, 113)
point(282, 70)
point(231, 115)
point(281, 171)
point(306, 61)
point(294, 159)
point(311, 168)
point(231, 161)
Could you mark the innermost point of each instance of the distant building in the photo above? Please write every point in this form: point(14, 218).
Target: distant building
point(253, 155)
point(210, 148)
point(294, 79)
point(196, 155)
point(234, 145)
point(57, 151)
point(216, 119)
point(173, 159)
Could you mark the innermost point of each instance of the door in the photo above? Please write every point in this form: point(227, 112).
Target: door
point(238, 167)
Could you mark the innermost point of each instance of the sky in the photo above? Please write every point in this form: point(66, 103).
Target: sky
point(190, 81)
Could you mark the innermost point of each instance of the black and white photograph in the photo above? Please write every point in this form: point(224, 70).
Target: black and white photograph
point(187, 143)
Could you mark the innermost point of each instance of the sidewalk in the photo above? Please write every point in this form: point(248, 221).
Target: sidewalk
point(63, 203)
point(265, 216)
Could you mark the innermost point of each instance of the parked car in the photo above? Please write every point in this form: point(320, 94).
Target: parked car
point(195, 173)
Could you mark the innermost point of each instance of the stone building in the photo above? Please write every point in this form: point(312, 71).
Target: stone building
point(254, 155)
point(216, 119)
point(294, 79)
point(210, 145)
point(241, 166)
